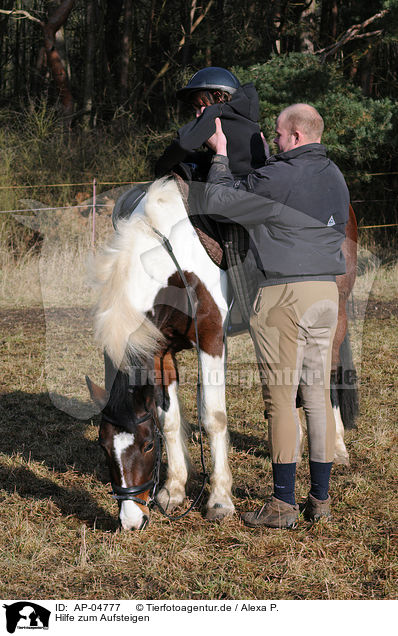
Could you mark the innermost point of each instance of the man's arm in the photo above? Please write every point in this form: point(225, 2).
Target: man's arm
point(223, 201)
point(219, 172)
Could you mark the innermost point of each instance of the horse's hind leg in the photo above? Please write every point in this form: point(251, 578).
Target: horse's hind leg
point(341, 364)
point(214, 418)
point(340, 454)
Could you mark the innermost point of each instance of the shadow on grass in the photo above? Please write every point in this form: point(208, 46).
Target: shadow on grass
point(71, 501)
point(33, 428)
point(256, 446)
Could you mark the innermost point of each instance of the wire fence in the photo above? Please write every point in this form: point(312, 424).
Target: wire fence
point(94, 205)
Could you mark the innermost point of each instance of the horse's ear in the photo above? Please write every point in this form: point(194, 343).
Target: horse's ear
point(97, 393)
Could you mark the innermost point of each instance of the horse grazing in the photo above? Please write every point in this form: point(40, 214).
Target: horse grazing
point(143, 318)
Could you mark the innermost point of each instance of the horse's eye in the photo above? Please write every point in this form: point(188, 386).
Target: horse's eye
point(148, 447)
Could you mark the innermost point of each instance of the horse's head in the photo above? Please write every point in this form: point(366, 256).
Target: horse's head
point(129, 434)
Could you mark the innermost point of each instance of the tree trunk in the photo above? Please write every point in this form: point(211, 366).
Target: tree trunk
point(282, 44)
point(112, 46)
point(16, 60)
point(55, 21)
point(208, 57)
point(277, 24)
point(307, 28)
point(126, 50)
point(186, 49)
point(367, 74)
point(88, 94)
point(329, 22)
point(5, 43)
point(144, 53)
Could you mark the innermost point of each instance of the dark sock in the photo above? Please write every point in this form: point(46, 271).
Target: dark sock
point(284, 481)
point(320, 476)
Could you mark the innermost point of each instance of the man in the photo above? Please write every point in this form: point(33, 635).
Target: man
point(295, 210)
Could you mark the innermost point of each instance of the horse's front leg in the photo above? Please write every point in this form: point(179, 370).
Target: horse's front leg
point(172, 493)
point(214, 417)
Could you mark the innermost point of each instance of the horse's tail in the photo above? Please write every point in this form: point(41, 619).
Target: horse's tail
point(344, 386)
point(125, 333)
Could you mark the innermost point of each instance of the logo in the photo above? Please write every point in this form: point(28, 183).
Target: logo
point(26, 615)
point(331, 221)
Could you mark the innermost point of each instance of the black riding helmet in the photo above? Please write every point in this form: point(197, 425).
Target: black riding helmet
point(210, 78)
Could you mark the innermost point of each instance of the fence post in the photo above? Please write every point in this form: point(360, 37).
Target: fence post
point(94, 204)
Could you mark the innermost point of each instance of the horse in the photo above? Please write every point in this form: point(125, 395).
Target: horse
point(160, 293)
point(343, 380)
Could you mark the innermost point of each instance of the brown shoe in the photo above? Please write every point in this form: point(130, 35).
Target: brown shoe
point(315, 509)
point(274, 514)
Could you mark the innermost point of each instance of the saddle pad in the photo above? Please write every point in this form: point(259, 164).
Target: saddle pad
point(227, 245)
point(206, 230)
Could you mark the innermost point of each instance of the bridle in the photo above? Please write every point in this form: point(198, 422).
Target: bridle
point(121, 493)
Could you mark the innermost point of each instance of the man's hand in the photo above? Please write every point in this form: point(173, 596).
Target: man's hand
point(218, 141)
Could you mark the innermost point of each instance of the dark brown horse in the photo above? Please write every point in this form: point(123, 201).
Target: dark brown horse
point(344, 389)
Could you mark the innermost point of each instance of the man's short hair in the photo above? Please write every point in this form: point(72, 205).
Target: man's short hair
point(305, 118)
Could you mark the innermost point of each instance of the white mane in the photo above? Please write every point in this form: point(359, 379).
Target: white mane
point(121, 327)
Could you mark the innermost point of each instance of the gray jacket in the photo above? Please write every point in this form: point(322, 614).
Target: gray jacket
point(294, 209)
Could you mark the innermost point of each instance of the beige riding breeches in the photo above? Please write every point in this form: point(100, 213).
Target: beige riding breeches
point(293, 326)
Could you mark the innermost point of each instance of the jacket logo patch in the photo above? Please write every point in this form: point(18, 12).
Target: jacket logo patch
point(331, 221)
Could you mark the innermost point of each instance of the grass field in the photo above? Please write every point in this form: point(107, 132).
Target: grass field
point(59, 536)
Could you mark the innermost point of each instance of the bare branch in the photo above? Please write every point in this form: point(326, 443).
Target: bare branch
point(181, 43)
point(362, 36)
point(21, 14)
point(352, 34)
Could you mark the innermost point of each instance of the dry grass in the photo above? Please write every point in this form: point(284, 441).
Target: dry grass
point(59, 535)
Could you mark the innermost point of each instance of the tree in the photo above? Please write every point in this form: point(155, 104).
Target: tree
point(50, 54)
point(89, 66)
point(127, 57)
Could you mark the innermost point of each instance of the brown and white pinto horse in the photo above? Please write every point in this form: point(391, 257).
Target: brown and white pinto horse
point(142, 319)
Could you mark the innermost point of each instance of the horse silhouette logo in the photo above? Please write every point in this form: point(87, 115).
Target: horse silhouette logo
point(26, 615)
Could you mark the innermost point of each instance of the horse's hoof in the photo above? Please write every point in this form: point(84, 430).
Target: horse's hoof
point(169, 502)
point(219, 512)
